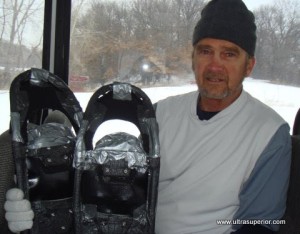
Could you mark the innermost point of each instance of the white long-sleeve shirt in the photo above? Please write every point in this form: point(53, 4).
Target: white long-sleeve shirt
point(223, 168)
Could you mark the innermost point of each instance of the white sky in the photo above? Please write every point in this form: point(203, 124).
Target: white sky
point(253, 4)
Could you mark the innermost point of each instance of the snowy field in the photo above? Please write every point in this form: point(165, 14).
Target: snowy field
point(283, 99)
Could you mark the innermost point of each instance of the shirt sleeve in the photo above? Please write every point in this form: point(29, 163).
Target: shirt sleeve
point(263, 195)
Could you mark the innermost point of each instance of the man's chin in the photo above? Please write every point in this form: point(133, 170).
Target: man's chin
point(213, 95)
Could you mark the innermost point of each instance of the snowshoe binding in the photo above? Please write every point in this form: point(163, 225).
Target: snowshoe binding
point(116, 181)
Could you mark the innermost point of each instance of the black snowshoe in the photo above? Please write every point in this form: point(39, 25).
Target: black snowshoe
point(116, 181)
point(43, 148)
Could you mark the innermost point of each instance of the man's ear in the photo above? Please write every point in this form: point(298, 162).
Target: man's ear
point(193, 59)
point(250, 65)
point(155, 106)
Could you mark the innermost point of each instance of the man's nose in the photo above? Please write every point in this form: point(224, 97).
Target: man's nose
point(216, 63)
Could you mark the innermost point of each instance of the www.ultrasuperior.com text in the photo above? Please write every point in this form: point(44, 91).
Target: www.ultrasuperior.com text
point(250, 221)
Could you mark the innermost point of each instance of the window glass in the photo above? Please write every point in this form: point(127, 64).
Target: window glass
point(21, 41)
point(148, 43)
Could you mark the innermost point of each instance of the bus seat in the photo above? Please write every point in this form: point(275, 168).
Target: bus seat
point(296, 128)
point(292, 213)
point(6, 175)
point(7, 166)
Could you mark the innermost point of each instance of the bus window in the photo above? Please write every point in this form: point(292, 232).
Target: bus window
point(21, 45)
point(148, 43)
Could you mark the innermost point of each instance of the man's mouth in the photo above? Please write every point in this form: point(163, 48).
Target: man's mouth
point(214, 77)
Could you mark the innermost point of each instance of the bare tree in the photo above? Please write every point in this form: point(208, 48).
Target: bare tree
point(16, 15)
point(3, 21)
point(100, 36)
point(278, 41)
point(186, 14)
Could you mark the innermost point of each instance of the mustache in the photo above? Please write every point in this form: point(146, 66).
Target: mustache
point(215, 75)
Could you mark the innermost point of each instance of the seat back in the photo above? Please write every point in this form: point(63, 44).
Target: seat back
point(292, 213)
point(6, 175)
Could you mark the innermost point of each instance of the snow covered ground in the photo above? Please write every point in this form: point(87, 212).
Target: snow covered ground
point(283, 99)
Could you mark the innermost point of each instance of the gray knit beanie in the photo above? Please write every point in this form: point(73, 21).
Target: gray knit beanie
point(228, 20)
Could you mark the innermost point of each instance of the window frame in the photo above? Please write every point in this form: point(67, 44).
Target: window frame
point(56, 37)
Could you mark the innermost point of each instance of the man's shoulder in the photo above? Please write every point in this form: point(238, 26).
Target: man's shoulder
point(177, 99)
point(176, 105)
point(263, 112)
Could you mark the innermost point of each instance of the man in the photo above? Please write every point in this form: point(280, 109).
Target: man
point(225, 156)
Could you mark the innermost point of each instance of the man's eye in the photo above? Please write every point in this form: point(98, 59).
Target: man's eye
point(204, 51)
point(230, 54)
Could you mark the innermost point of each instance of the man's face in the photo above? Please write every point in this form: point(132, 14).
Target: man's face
point(220, 67)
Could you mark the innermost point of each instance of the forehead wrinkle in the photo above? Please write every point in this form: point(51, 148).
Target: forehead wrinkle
point(227, 47)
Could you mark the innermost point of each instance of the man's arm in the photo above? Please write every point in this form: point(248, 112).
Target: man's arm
point(263, 196)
